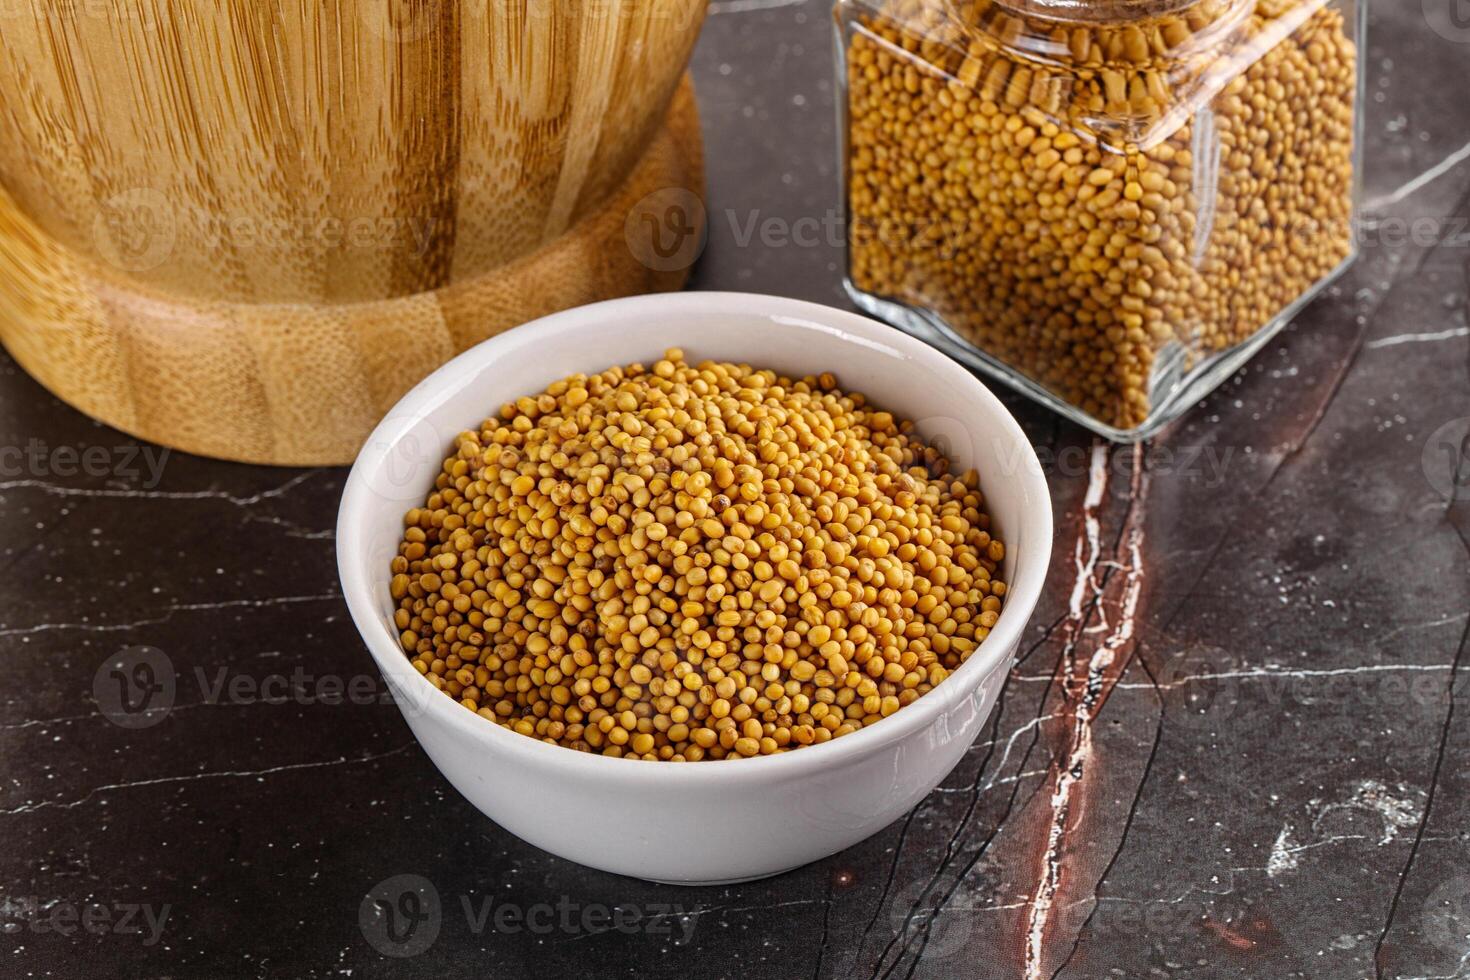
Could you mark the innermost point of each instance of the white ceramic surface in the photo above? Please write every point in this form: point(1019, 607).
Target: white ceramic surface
point(712, 821)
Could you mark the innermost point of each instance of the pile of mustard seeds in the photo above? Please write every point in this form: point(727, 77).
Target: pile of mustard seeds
point(981, 188)
point(683, 562)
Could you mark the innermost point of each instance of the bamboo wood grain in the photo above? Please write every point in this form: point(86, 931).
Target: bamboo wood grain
point(244, 227)
point(300, 383)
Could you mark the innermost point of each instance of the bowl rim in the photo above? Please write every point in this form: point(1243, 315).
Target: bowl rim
point(841, 326)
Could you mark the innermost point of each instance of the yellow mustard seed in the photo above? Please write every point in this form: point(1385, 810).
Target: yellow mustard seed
point(694, 562)
point(1050, 209)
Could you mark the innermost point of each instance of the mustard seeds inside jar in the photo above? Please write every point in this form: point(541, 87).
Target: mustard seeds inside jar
point(1108, 204)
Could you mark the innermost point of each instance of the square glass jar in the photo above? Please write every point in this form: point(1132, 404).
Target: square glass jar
point(1109, 205)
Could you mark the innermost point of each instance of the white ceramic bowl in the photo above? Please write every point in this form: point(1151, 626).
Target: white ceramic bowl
point(717, 821)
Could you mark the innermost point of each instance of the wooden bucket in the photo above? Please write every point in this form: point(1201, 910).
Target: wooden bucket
point(243, 228)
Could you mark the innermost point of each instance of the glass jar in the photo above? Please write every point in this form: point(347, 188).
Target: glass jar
point(1107, 204)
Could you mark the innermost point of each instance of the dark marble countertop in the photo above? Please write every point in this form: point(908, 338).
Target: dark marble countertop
point(1277, 783)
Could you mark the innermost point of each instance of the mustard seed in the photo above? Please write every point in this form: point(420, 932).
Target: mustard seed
point(1026, 172)
point(690, 562)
